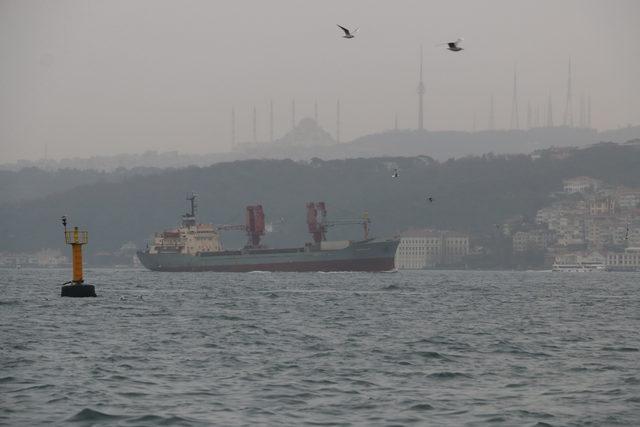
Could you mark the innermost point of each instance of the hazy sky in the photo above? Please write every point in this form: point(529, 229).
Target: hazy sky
point(86, 77)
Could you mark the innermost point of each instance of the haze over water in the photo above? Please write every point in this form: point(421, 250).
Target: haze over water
point(427, 347)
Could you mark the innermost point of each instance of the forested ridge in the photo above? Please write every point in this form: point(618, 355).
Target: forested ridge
point(470, 194)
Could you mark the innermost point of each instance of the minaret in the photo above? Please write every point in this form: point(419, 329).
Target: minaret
point(583, 112)
point(420, 97)
point(529, 116)
point(589, 111)
point(515, 116)
point(233, 128)
point(492, 122)
point(338, 122)
point(315, 111)
point(536, 122)
point(568, 111)
point(255, 125)
point(549, 112)
point(271, 121)
point(293, 114)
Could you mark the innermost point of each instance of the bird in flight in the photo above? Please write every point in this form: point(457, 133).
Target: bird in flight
point(453, 46)
point(430, 199)
point(396, 174)
point(347, 33)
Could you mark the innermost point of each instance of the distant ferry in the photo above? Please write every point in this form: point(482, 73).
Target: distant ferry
point(197, 247)
point(579, 268)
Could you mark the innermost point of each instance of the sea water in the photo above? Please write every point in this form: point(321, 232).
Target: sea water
point(405, 348)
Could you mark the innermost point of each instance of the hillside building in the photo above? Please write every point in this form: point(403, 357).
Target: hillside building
point(581, 184)
point(601, 206)
point(531, 240)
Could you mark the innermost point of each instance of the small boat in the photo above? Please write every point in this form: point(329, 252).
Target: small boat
point(579, 268)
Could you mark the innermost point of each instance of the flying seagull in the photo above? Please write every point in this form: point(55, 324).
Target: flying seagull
point(396, 174)
point(430, 199)
point(347, 34)
point(453, 46)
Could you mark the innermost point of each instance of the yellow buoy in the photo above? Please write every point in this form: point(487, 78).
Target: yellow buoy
point(76, 239)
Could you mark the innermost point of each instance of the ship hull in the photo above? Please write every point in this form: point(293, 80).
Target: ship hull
point(370, 255)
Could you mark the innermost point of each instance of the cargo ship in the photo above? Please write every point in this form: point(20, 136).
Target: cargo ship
point(197, 247)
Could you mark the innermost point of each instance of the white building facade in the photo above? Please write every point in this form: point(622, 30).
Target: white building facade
point(421, 249)
point(581, 184)
point(629, 260)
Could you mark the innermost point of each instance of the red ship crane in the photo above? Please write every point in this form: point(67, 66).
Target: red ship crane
point(318, 224)
point(317, 228)
point(254, 226)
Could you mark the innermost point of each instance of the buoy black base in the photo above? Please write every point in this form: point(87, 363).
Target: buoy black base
point(78, 291)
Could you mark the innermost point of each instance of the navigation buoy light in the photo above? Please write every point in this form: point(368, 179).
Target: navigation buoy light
point(76, 287)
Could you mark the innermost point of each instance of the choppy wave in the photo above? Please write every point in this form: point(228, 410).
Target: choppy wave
point(88, 416)
point(92, 417)
point(448, 375)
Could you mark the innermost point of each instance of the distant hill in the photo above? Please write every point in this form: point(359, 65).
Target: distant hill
point(308, 140)
point(444, 145)
point(471, 194)
point(32, 183)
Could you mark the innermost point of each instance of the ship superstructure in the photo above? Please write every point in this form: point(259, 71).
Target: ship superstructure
point(190, 238)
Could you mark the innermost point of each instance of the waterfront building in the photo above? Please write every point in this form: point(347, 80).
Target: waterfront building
point(427, 248)
point(629, 260)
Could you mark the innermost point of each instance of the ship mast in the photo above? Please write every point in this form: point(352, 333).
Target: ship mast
point(189, 218)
